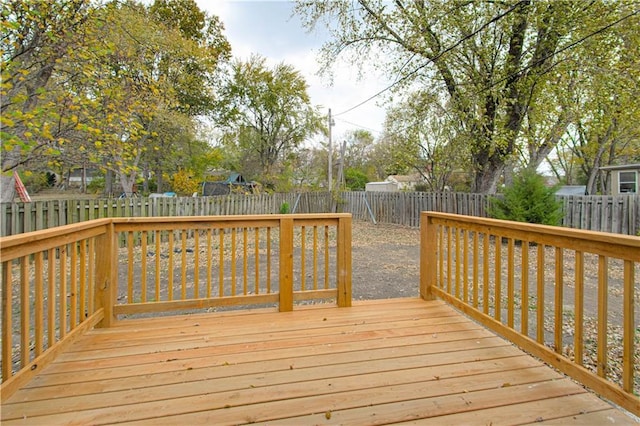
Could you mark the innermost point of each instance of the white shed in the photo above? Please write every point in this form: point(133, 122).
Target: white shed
point(381, 186)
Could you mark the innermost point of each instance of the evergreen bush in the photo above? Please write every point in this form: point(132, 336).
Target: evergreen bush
point(529, 200)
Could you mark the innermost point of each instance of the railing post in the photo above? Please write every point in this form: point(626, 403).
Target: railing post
point(344, 261)
point(428, 271)
point(286, 264)
point(106, 274)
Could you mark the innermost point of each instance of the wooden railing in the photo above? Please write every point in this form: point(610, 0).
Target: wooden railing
point(60, 282)
point(566, 296)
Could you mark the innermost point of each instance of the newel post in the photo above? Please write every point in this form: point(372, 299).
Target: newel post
point(106, 280)
point(428, 251)
point(286, 264)
point(344, 261)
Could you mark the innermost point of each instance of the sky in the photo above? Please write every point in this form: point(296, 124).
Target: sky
point(269, 29)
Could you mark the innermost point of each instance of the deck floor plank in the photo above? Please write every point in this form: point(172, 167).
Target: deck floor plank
point(389, 361)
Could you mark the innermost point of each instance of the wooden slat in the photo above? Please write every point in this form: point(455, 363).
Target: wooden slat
point(603, 302)
point(628, 321)
point(7, 319)
point(558, 299)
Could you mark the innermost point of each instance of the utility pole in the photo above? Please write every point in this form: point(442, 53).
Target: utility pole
point(330, 170)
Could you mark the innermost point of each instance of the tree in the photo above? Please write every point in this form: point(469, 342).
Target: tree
point(487, 61)
point(266, 114)
point(40, 39)
point(604, 124)
point(429, 140)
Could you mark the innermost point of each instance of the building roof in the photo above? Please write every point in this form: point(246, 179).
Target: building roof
point(622, 167)
point(572, 190)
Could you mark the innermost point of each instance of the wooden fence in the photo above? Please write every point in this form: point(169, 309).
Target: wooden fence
point(616, 214)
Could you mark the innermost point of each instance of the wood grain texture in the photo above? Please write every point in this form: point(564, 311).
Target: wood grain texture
point(382, 361)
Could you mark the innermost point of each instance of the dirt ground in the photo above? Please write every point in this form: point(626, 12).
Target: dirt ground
point(385, 261)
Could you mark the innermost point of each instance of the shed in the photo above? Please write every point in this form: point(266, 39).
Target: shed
point(381, 186)
point(624, 178)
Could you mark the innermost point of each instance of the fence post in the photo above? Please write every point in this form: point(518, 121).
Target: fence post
point(427, 256)
point(286, 264)
point(106, 283)
point(344, 261)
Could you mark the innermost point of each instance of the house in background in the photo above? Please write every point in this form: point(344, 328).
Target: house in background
point(405, 182)
point(624, 179)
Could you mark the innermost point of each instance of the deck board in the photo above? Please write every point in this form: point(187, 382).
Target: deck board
point(378, 362)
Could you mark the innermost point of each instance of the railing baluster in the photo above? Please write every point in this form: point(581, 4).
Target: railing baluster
point(485, 273)
point(91, 279)
point(39, 303)
point(475, 269)
point(209, 261)
point(269, 260)
point(497, 314)
point(170, 286)
point(73, 287)
point(83, 280)
point(221, 262)
point(196, 264)
point(510, 282)
point(315, 257)
point(233, 261)
point(63, 291)
point(7, 319)
point(540, 295)
point(303, 249)
point(441, 255)
point(465, 265)
point(326, 257)
point(24, 311)
point(558, 299)
point(524, 270)
point(183, 264)
point(603, 302)
point(457, 262)
point(143, 265)
point(51, 297)
point(158, 236)
point(245, 261)
point(449, 257)
point(256, 231)
point(628, 326)
point(578, 338)
point(130, 265)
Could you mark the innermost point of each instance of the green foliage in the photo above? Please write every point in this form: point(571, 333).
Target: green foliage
point(34, 182)
point(529, 200)
point(356, 180)
point(96, 186)
point(498, 74)
point(266, 114)
point(421, 187)
point(284, 208)
point(184, 183)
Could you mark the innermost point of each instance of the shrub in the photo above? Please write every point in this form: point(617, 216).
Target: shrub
point(184, 184)
point(284, 208)
point(528, 199)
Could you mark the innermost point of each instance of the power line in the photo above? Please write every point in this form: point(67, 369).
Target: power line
point(552, 54)
point(514, 74)
point(359, 125)
point(438, 56)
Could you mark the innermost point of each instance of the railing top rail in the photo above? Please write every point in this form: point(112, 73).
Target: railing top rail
point(230, 218)
point(533, 230)
point(17, 245)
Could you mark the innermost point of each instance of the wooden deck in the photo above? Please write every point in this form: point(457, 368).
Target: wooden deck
point(378, 362)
